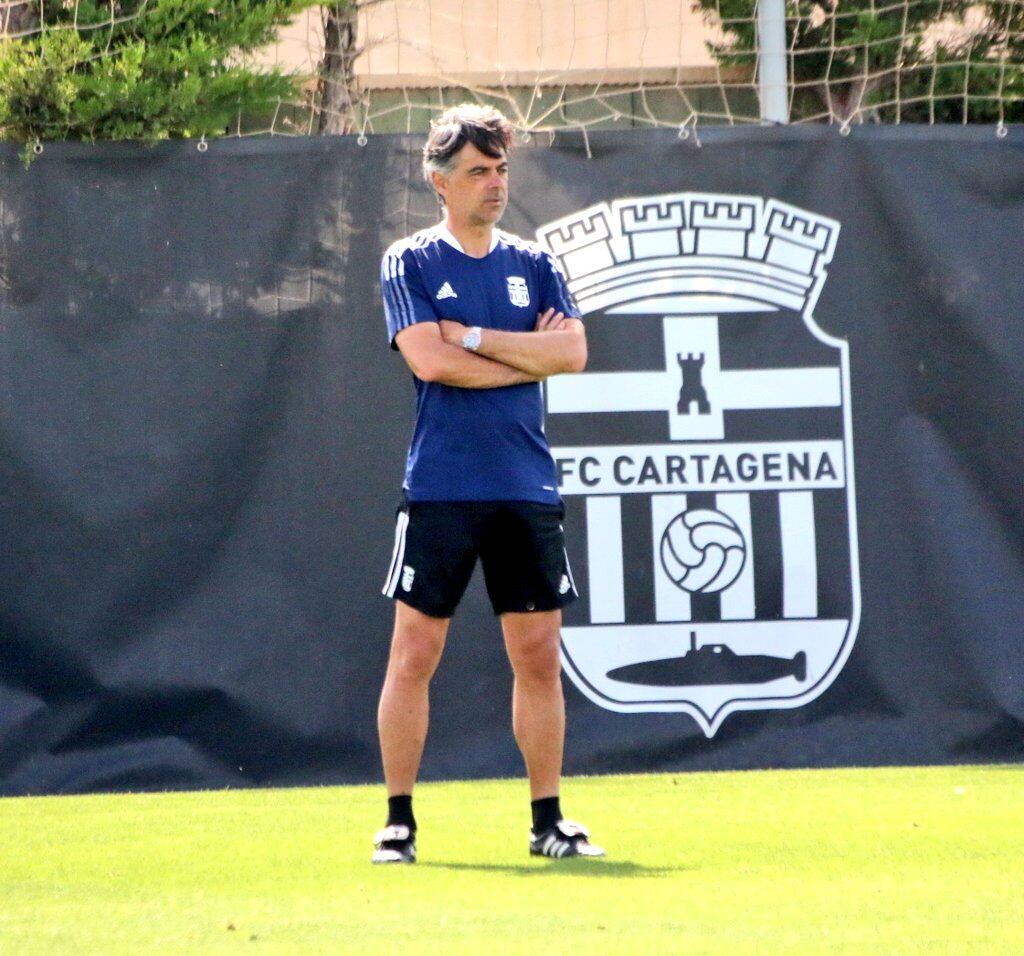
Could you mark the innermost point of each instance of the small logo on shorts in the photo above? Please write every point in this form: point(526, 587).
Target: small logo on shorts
point(563, 585)
point(408, 574)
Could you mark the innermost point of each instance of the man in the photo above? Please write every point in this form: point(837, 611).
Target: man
point(481, 318)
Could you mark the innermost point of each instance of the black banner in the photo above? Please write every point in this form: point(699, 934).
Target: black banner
point(792, 469)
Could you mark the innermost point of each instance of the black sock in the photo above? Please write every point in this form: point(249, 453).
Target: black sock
point(400, 811)
point(546, 813)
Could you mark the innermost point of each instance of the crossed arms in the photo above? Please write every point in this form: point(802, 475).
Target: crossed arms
point(434, 352)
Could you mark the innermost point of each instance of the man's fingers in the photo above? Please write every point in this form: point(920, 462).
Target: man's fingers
point(549, 321)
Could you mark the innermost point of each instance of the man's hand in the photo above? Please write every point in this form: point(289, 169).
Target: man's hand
point(550, 321)
point(452, 331)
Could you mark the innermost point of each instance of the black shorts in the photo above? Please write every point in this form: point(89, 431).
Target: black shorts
point(519, 543)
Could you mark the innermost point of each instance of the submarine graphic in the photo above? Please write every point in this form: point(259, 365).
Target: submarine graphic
point(712, 664)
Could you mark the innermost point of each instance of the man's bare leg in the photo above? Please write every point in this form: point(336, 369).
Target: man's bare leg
point(538, 707)
point(403, 714)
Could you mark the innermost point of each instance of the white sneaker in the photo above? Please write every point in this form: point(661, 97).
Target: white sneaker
point(395, 844)
point(564, 839)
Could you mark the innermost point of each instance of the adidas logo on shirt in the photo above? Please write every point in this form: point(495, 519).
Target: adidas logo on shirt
point(447, 292)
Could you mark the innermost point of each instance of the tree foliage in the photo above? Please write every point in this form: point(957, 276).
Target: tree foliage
point(916, 61)
point(139, 69)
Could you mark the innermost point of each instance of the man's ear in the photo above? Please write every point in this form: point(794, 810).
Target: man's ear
point(439, 182)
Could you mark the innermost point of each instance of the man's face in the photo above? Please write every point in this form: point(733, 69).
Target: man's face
point(476, 192)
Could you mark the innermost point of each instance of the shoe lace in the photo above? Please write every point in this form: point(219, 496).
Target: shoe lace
point(393, 833)
point(572, 830)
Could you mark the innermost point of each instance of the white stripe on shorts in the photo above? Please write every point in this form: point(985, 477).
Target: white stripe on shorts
point(568, 571)
point(397, 555)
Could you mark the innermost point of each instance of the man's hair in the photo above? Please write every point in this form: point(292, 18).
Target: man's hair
point(483, 126)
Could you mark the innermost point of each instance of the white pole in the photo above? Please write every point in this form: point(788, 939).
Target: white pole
point(771, 70)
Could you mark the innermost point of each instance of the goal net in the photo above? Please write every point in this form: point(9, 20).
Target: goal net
point(600, 64)
point(370, 66)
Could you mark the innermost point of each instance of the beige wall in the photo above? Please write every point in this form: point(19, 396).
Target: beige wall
point(513, 42)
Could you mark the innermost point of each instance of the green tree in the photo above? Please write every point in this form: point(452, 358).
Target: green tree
point(856, 60)
point(136, 69)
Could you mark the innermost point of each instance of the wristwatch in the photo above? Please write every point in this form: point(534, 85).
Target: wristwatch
point(471, 339)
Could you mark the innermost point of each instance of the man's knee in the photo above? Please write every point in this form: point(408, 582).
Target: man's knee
point(533, 642)
point(417, 643)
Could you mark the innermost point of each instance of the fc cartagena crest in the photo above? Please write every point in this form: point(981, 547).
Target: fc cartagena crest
point(705, 457)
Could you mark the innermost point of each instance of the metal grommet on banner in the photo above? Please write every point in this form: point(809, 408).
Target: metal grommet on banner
point(37, 146)
point(845, 129)
point(684, 133)
point(525, 136)
point(361, 139)
point(1001, 130)
point(202, 145)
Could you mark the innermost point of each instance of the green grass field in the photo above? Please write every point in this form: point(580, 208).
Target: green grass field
point(850, 861)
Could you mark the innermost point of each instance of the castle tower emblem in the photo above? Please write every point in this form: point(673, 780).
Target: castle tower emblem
point(692, 390)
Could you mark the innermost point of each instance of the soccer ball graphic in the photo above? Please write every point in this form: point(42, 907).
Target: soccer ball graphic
point(702, 551)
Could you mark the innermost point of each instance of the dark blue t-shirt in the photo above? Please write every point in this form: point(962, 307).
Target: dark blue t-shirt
point(475, 444)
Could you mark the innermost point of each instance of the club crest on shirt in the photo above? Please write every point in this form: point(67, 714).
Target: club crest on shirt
point(518, 293)
point(708, 471)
